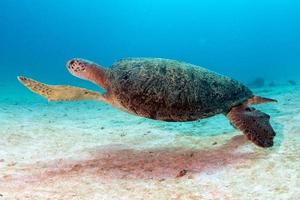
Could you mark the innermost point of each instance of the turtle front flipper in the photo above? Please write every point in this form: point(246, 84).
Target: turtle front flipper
point(254, 124)
point(88, 70)
point(60, 92)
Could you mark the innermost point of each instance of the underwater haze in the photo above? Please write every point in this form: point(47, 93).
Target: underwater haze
point(243, 39)
point(92, 150)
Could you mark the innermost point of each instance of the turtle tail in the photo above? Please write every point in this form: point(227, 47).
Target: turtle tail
point(259, 100)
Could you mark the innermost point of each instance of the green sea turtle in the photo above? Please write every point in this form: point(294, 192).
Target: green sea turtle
point(166, 90)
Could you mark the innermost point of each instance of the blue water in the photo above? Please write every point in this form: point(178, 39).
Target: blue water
point(90, 150)
point(243, 39)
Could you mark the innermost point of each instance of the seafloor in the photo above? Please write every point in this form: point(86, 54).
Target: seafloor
point(88, 150)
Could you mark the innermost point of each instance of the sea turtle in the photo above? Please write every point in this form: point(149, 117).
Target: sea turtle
point(167, 90)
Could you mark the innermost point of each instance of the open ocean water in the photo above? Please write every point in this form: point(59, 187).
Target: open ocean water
point(91, 150)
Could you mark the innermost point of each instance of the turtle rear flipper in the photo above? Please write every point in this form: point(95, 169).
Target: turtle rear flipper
point(254, 124)
point(60, 92)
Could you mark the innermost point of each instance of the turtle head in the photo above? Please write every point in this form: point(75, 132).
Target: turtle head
point(87, 70)
point(78, 64)
point(78, 67)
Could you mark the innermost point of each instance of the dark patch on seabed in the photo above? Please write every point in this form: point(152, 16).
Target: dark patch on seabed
point(124, 163)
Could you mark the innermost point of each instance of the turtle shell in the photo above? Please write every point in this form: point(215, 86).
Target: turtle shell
point(170, 90)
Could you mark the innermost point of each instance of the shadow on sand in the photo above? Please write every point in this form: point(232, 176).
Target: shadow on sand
point(124, 163)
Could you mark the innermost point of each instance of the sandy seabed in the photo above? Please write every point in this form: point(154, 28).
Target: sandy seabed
point(89, 150)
